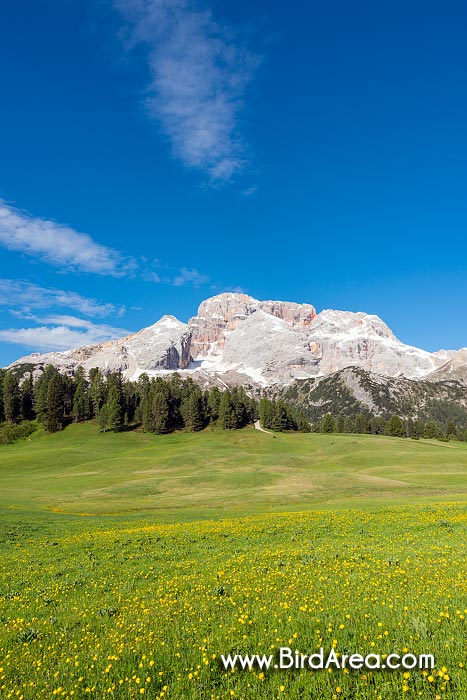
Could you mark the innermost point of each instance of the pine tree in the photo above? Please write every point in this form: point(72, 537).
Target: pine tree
point(227, 415)
point(176, 392)
point(27, 398)
point(279, 418)
point(103, 418)
point(2, 412)
point(266, 411)
point(418, 428)
point(303, 424)
point(431, 430)
point(81, 399)
point(361, 424)
point(68, 387)
point(159, 412)
point(192, 411)
point(97, 391)
point(115, 403)
point(451, 431)
point(239, 403)
point(327, 424)
point(41, 388)
point(214, 400)
point(395, 427)
point(54, 412)
point(130, 401)
point(11, 398)
point(143, 412)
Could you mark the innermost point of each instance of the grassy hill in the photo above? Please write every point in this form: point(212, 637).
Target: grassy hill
point(186, 476)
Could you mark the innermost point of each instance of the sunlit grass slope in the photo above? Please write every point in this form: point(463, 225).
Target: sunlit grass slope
point(221, 473)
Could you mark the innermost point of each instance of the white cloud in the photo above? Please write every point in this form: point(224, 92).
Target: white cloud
point(57, 244)
point(249, 191)
point(61, 337)
point(29, 296)
point(198, 80)
point(193, 277)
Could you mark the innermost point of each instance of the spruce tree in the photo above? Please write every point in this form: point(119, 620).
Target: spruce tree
point(97, 391)
point(451, 431)
point(361, 424)
point(81, 398)
point(266, 410)
point(279, 418)
point(239, 403)
point(227, 415)
point(2, 412)
point(143, 412)
point(115, 403)
point(103, 418)
point(327, 424)
point(41, 388)
point(159, 411)
point(192, 411)
point(27, 398)
point(11, 398)
point(214, 400)
point(431, 430)
point(54, 412)
point(395, 427)
point(303, 424)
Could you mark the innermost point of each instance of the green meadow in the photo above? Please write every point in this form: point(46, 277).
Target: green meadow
point(130, 562)
point(185, 476)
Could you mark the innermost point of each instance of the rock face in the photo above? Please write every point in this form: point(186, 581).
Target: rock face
point(235, 338)
point(342, 339)
point(221, 314)
point(455, 369)
point(162, 346)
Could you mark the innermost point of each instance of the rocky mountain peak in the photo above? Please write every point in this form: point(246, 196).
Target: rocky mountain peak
point(236, 338)
point(221, 314)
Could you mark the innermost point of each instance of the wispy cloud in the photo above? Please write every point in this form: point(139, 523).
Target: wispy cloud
point(192, 277)
point(24, 296)
point(198, 77)
point(58, 244)
point(62, 337)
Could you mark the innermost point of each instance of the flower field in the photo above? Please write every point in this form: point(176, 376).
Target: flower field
point(105, 608)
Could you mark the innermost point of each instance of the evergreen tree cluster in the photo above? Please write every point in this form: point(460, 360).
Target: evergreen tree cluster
point(279, 416)
point(163, 405)
point(156, 405)
point(393, 425)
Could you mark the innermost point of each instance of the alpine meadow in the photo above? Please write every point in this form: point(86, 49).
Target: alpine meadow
point(233, 350)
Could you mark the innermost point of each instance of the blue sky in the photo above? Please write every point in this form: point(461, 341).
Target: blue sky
point(157, 152)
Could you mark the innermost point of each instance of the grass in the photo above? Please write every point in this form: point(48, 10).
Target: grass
point(217, 473)
point(131, 562)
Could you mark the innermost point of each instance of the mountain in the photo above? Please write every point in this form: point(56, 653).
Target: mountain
point(236, 339)
point(354, 390)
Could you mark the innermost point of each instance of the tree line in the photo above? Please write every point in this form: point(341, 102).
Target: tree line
point(393, 425)
point(154, 404)
point(158, 405)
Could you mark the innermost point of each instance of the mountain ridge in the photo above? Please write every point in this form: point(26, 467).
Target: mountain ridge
point(263, 343)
